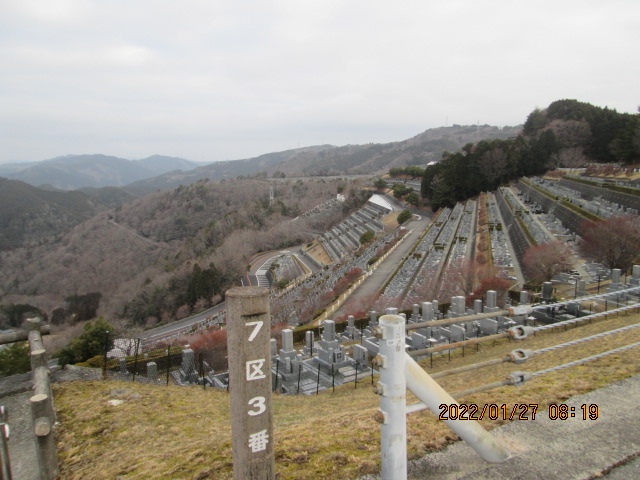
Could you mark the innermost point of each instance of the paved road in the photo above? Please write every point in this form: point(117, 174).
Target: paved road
point(174, 328)
point(374, 283)
point(554, 449)
point(22, 449)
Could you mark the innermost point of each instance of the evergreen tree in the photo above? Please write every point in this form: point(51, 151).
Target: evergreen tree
point(95, 339)
point(15, 359)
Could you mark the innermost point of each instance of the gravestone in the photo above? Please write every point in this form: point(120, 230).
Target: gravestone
point(458, 306)
point(330, 353)
point(488, 326)
point(445, 332)
point(635, 276)
point(547, 291)
point(582, 287)
point(351, 332)
point(188, 373)
point(287, 341)
point(573, 309)
point(152, 372)
point(457, 333)
point(123, 366)
point(491, 298)
point(418, 341)
point(524, 297)
point(491, 305)
point(287, 352)
point(360, 357)
point(329, 331)
point(615, 280)
point(427, 311)
point(477, 306)
point(425, 331)
point(308, 343)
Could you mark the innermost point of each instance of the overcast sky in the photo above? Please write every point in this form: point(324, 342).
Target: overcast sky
point(215, 80)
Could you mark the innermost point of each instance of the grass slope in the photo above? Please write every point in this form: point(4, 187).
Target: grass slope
point(184, 433)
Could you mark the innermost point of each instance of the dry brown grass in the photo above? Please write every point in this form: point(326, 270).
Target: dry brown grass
point(184, 433)
point(390, 221)
point(318, 252)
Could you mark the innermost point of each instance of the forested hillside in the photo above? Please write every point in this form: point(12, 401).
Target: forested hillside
point(30, 215)
point(566, 134)
point(158, 257)
point(325, 160)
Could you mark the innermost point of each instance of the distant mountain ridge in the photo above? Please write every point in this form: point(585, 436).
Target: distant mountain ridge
point(72, 172)
point(324, 160)
point(160, 172)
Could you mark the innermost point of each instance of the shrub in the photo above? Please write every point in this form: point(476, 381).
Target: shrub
point(15, 359)
point(366, 237)
point(404, 216)
point(93, 341)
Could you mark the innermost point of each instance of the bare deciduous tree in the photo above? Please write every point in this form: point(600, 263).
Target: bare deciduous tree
point(543, 262)
point(614, 242)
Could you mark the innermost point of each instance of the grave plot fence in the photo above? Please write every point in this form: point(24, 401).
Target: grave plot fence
point(340, 355)
point(162, 365)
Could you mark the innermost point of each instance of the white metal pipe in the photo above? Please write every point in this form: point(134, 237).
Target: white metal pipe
point(416, 407)
point(393, 401)
point(433, 395)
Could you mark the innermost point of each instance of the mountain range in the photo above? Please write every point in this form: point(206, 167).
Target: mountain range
point(72, 172)
point(159, 172)
point(148, 255)
point(328, 160)
point(41, 200)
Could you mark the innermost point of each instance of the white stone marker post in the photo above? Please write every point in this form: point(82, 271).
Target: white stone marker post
point(248, 335)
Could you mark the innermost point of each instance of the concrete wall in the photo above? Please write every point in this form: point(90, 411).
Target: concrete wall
point(590, 192)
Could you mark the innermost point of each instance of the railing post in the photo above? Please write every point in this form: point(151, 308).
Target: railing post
point(248, 343)
point(5, 463)
point(393, 402)
point(45, 442)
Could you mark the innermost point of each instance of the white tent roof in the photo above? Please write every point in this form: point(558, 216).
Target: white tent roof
point(380, 200)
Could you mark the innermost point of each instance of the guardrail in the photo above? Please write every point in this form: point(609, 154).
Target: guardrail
point(42, 410)
point(399, 372)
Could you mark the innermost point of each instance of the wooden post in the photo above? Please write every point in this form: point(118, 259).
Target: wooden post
point(248, 333)
point(33, 329)
point(43, 429)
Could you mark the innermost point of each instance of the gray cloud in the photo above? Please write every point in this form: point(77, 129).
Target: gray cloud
point(213, 80)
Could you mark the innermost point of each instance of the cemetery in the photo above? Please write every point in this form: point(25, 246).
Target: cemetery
point(345, 355)
point(338, 358)
point(519, 217)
